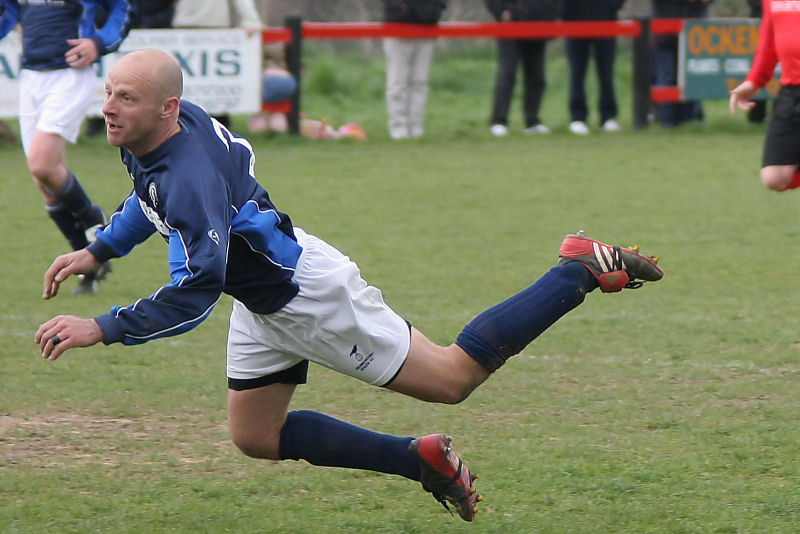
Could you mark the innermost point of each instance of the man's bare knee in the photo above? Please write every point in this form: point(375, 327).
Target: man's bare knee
point(256, 418)
point(257, 446)
point(445, 375)
point(457, 392)
point(777, 178)
point(41, 170)
point(770, 182)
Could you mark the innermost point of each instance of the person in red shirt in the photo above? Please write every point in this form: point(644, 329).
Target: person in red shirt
point(779, 42)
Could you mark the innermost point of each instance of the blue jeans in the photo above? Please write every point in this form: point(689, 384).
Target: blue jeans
point(578, 51)
point(665, 72)
point(277, 88)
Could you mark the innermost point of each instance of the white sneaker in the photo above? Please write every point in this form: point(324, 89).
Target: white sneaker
point(498, 130)
point(611, 126)
point(539, 128)
point(578, 128)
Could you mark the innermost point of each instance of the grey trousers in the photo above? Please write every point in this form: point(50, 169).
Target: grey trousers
point(407, 64)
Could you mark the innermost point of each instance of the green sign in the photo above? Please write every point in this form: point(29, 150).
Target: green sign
point(715, 56)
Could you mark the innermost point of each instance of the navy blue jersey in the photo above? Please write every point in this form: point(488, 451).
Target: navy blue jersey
point(198, 190)
point(47, 24)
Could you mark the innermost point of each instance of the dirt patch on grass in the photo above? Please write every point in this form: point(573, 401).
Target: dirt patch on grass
point(61, 439)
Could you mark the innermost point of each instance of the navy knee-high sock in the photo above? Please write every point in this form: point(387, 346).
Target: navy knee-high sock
point(325, 441)
point(73, 196)
point(505, 329)
point(68, 224)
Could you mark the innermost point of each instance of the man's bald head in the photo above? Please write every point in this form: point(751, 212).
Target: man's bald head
point(156, 69)
point(142, 104)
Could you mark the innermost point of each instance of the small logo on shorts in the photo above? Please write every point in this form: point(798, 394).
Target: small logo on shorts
point(364, 361)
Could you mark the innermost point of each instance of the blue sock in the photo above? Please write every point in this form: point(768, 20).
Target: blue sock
point(73, 196)
point(325, 441)
point(68, 224)
point(505, 329)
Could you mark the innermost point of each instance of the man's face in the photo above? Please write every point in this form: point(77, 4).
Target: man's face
point(131, 108)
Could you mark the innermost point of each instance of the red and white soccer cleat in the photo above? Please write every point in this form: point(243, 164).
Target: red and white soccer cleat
point(614, 268)
point(443, 474)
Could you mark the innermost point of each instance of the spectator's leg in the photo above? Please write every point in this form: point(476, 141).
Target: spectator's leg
point(578, 57)
point(604, 52)
point(507, 60)
point(277, 85)
point(420, 67)
point(664, 63)
point(533, 58)
point(397, 74)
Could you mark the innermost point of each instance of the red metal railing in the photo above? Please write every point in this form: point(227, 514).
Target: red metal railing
point(640, 30)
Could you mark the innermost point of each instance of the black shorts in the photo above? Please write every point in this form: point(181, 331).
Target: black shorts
point(297, 374)
point(782, 144)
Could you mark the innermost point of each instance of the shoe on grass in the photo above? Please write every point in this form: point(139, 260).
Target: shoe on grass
point(87, 283)
point(613, 267)
point(539, 128)
point(498, 130)
point(578, 128)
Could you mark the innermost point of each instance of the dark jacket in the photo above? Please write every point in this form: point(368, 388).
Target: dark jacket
point(755, 8)
point(590, 9)
point(154, 13)
point(522, 10)
point(676, 9)
point(679, 8)
point(414, 11)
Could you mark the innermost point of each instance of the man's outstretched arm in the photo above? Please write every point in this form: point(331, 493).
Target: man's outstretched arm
point(78, 262)
point(64, 332)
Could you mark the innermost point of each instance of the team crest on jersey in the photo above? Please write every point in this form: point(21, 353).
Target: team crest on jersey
point(214, 236)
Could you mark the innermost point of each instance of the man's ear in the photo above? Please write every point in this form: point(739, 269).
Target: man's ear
point(171, 107)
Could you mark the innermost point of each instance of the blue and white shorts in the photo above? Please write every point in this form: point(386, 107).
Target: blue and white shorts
point(54, 101)
point(336, 320)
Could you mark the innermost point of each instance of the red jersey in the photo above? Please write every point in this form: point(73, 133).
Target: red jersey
point(779, 42)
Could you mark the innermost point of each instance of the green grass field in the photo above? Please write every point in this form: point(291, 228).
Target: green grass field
point(668, 409)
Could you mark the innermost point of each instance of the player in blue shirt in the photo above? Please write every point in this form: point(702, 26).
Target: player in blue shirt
point(60, 43)
point(296, 298)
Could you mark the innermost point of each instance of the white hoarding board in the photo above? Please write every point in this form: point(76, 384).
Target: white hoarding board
point(221, 68)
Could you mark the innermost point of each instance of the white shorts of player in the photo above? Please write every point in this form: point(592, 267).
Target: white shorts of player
point(336, 320)
point(54, 101)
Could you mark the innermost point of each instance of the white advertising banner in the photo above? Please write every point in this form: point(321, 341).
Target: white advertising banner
point(221, 68)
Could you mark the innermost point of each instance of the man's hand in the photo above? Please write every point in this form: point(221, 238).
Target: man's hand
point(64, 332)
point(78, 262)
point(82, 54)
point(742, 96)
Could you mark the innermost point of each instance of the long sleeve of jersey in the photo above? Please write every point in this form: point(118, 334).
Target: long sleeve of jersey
point(197, 190)
point(196, 228)
point(779, 42)
point(766, 57)
point(110, 36)
point(47, 26)
point(9, 15)
point(128, 227)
